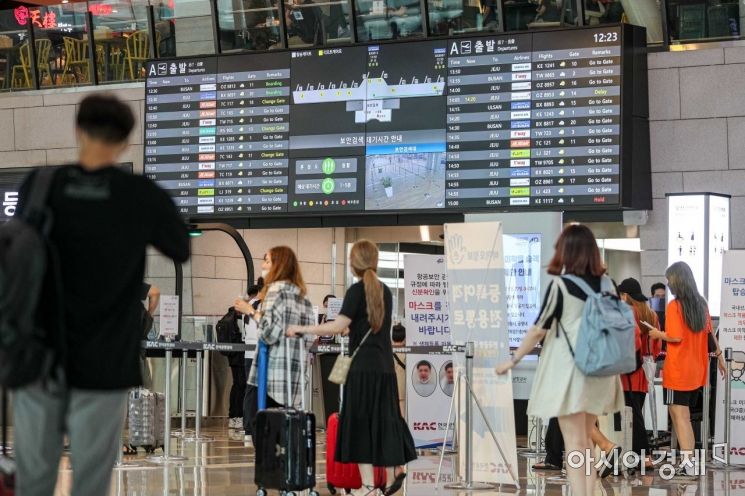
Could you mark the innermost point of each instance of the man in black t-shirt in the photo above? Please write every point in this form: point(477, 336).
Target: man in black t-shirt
point(103, 221)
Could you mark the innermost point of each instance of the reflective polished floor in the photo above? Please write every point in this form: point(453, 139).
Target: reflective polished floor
point(225, 467)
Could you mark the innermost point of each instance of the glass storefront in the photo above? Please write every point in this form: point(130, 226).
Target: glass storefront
point(102, 41)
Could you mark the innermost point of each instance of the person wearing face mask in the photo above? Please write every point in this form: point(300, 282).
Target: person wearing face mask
point(326, 363)
point(283, 303)
point(250, 337)
point(323, 318)
point(658, 302)
point(635, 384)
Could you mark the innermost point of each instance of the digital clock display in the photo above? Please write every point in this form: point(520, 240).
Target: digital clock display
point(609, 37)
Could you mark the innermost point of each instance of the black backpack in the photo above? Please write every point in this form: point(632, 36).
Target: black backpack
point(25, 258)
point(229, 332)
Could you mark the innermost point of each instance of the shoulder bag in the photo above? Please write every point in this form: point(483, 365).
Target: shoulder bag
point(340, 371)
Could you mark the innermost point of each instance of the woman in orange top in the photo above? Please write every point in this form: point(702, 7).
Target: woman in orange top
point(635, 383)
point(687, 327)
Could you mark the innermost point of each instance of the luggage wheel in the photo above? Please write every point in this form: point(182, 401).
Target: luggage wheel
point(331, 488)
point(260, 492)
point(314, 493)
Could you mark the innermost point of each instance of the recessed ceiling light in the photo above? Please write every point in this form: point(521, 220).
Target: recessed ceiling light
point(65, 1)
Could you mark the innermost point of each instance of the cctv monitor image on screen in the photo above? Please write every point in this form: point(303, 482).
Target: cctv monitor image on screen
point(553, 120)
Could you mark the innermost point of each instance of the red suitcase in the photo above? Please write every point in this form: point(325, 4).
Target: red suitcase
point(344, 475)
point(339, 475)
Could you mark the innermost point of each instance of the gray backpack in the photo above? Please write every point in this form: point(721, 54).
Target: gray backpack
point(24, 262)
point(606, 342)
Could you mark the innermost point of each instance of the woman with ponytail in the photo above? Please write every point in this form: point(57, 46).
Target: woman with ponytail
point(372, 432)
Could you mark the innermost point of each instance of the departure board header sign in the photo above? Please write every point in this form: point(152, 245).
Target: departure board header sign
point(553, 120)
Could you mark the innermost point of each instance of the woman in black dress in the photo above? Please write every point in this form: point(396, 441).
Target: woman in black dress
point(372, 432)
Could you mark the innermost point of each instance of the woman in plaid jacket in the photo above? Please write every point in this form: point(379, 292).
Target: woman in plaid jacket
point(284, 303)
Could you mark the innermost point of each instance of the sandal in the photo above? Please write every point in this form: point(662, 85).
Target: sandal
point(129, 450)
point(546, 466)
point(365, 491)
point(398, 482)
point(613, 459)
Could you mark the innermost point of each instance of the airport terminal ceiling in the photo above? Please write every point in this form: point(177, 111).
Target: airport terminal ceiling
point(404, 133)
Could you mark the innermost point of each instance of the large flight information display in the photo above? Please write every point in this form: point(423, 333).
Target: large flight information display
point(525, 121)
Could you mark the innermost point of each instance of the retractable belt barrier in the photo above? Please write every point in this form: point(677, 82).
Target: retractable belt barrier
point(448, 349)
point(315, 349)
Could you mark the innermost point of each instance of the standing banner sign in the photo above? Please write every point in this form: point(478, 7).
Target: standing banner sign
point(732, 335)
point(429, 381)
point(478, 309)
point(169, 316)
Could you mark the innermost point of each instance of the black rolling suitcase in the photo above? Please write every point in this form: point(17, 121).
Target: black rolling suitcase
point(7, 465)
point(285, 441)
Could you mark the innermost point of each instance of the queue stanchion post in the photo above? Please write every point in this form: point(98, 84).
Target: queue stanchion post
point(182, 394)
point(727, 405)
point(197, 437)
point(167, 458)
point(443, 449)
point(724, 462)
point(539, 448)
point(705, 418)
point(468, 483)
point(198, 417)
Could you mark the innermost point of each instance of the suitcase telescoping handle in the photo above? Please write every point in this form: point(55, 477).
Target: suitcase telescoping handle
point(343, 342)
point(288, 365)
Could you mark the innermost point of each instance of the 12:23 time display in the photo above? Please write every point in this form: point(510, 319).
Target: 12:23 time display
point(609, 37)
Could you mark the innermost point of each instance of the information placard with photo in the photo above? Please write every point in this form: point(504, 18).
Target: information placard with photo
point(429, 378)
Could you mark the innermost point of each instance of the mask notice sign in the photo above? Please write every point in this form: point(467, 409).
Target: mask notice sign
point(169, 316)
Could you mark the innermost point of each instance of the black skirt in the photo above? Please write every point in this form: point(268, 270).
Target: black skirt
point(371, 429)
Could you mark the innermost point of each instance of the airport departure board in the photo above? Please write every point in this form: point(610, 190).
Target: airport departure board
point(553, 120)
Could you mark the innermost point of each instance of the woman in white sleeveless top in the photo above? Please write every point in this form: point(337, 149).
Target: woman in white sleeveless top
point(559, 388)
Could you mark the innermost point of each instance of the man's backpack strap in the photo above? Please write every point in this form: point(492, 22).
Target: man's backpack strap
point(38, 194)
